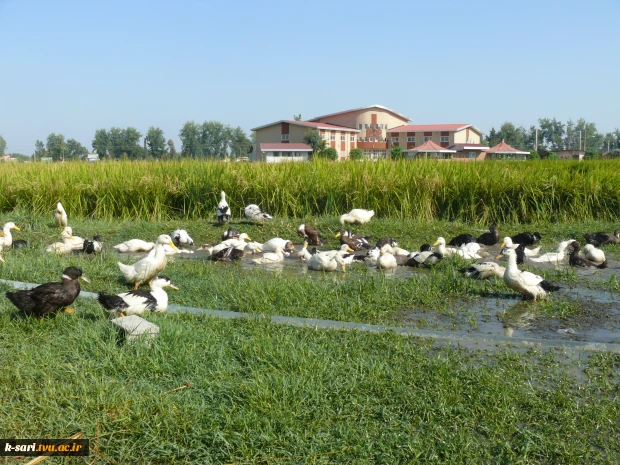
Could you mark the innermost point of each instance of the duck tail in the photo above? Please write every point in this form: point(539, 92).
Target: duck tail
point(602, 265)
point(111, 302)
point(549, 286)
point(129, 272)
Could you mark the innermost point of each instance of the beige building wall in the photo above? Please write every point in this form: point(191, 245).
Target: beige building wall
point(460, 137)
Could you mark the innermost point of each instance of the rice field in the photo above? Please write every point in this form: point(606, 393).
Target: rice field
point(507, 192)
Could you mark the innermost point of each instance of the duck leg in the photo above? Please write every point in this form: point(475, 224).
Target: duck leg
point(136, 285)
point(69, 310)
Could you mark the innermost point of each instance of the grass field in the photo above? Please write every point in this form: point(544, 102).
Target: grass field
point(269, 394)
point(507, 192)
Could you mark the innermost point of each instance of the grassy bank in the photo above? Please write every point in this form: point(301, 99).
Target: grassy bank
point(425, 190)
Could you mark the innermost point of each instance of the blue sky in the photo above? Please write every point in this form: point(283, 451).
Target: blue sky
point(73, 67)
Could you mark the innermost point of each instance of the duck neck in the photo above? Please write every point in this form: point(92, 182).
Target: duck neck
point(512, 262)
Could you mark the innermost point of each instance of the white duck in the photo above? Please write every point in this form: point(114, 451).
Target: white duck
point(531, 286)
point(139, 301)
point(272, 244)
point(60, 216)
point(386, 260)
point(238, 242)
point(67, 245)
point(357, 216)
point(252, 248)
point(444, 251)
point(222, 211)
point(67, 236)
point(7, 239)
point(303, 254)
point(323, 261)
point(484, 270)
point(553, 257)
point(181, 238)
point(147, 268)
point(511, 245)
point(372, 256)
point(253, 213)
point(593, 254)
point(271, 258)
point(134, 245)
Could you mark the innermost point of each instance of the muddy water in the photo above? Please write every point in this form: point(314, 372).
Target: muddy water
point(597, 318)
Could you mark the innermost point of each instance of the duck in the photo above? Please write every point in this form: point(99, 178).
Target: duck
point(68, 237)
point(271, 258)
point(6, 240)
point(222, 211)
point(310, 233)
point(575, 260)
point(60, 216)
point(529, 285)
point(252, 248)
point(134, 245)
point(253, 213)
point(484, 270)
point(50, 297)
point(181, 238)
point(303, 254)
point(443, 250)
point(371, 256)
point(67, 245)
point(323, 261)
point(527, 238)
point(139, 301)
point(357, 216)
point(355, 241)
point(553, 257)
point(386, 260)
point(272, 244)
point(508, 243)
point(593, 254)
point(91, 247)
point(229, 254)
point(386, 240)
point(489, 238)
point(425, 257)
point(603, 238)
point(238, 241)
point(147, 268)
point(396, 251)
point(230, 233)
point(19, 244)
point(461, 239)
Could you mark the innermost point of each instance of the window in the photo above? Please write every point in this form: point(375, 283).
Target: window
point(360, 139)
point(366, 126)
point(376, 126)
point(360, 126)
point(284, 136)
point(427, 138)
point(332, 137)
point(286, 154)
point(365, 139)
point(342, 137)
point(395, 140)
point(371, 139)
point(411, 139)
point(352, 139)
point(323, 136)
point(444, 139)
point(472, 155)
point(276, 154)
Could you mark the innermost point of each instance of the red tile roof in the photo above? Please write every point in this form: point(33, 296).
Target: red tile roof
point(430, 146)
point(309, 124)
point(433, 127)
point(503, 147)
point(465, 145)
point(279, 147)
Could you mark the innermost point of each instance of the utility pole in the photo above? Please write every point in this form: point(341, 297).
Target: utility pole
point(145, 148)
point(579, 139)
point(536, 143)
point(585, 138)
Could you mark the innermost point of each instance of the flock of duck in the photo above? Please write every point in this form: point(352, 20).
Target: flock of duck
point(384, 255)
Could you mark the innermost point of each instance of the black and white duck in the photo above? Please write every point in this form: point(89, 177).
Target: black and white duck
point(529, 285)
point(253, 213)
point(49, 297)
point(310, 233)
point(223, 210)
point(229, 254)
point(527, 238)
point(355, 241)
point(91, 247)
point(575, 260)
point(230, 233)
point(462, 239)
point(139, 301)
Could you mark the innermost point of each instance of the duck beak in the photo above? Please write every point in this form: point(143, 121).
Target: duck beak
point(259, 250)
point(338, 234)
point(344, 268)
point(499, 256)
point(2, 234)
point(350, 250)
point(503, 244)
point(249, 239)
point(172, 245)
point(84, 278)
point(436, 243)
point(16, 228)
point(172, 286)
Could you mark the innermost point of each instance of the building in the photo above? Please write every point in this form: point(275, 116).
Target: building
point(374, 129)
point(365, 128)
point(503, 151)
point(571, 154)
point(279, 152)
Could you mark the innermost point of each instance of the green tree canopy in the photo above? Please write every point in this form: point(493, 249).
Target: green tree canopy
point(39, 150)
point(330, 153)
point(156, 142)
point(2, 145)
point(75, 150)
point(100, 143)
point(190, 139)
point(172, 151)
point(313, 138)
point(396, 153)
point(56, 146)
point(356, 154)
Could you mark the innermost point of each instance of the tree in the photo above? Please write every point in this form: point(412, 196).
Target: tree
point(330, 153)
point(356, 154)
point(297, 117)
point(553, 156)
point(239, 143)
point(56, 146)
point(75, 150)
point(533, 155)
point(39, 150)
point(156, 142)
point(2, 145)
point(313, 138)
point(551, 133)
point(100, 143)
point(396, 153)
point(172, 151)
point(214, 139)
point(190, 139)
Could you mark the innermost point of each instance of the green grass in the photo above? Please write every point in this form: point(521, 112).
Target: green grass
point(263, 393)
point(426, 190)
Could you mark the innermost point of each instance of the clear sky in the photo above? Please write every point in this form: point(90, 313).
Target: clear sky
point(73, 67)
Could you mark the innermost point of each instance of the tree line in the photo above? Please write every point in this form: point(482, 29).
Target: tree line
point(552, 135)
